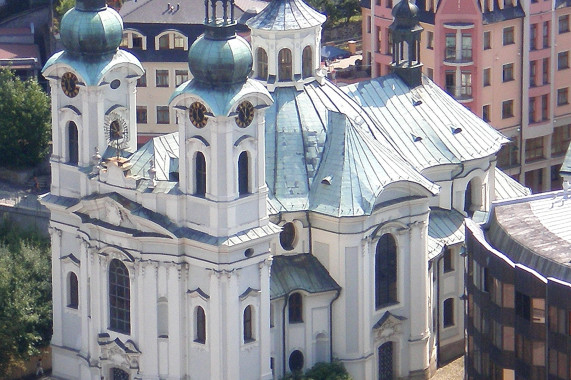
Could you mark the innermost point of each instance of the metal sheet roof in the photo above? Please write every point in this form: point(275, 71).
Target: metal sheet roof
point(566, 166)
point(163, 150)
point(169, 11)
point(328, 164)
point(507, 188)
point(91, 71)
point(445, 228)
point(286, 15)
point(299, 272)
point(425, 124)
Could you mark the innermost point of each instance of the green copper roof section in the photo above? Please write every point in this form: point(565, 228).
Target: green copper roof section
point(91, 28)
point(299, 272)
point(90, 71)
point(219, 100)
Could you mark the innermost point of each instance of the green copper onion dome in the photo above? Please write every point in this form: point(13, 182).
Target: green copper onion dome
point(219, 57)
point(91, 28)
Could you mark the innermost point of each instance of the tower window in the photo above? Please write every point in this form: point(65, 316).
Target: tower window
point(73, 291)
point(385, 271)
point(284, 65)
point(200, 169)
point(119, 374)
point(200, 333)
point(448, 313)
point(287, 236)
point(295, 308)
point(262, 63)
point(243, 174)
point(248, 332)
point(119, 297)
point(307, 64)
point(73, 143)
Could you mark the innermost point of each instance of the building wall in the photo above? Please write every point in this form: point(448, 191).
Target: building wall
point(529, 157)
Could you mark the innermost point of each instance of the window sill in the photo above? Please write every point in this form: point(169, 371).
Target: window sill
point(387, 305)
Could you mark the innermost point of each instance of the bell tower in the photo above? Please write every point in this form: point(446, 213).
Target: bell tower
point(221, 115)
point(406, 32)
point(93, 86)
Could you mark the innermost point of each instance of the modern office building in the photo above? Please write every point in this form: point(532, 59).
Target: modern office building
point(518, 282)
point(507, 61)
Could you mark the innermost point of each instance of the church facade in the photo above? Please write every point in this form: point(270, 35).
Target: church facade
point(286, 223)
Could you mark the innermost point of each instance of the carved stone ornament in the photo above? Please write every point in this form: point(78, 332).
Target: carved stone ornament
point(121, 354)
point(113, 214)
point(388, 326)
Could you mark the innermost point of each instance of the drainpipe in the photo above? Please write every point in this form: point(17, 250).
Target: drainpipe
point(286, 298)
point(437, 268)
point(331, 324)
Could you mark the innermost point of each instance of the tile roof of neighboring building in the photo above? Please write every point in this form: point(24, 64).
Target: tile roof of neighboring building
point(299, 272)
point(498, 15)
point(286, 15)
point(19, 56)
point(534, 231)
point(425, 124)
point(168, 11)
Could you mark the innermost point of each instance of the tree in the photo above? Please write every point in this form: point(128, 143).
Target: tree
point(336, 10)
point(24, 121)
point(25, 296)
point(322, 371)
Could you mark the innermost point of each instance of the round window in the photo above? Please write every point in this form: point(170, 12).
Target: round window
point(287, 236)
point(296, 361)
point(115, 84)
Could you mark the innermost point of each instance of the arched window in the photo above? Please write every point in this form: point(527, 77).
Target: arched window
point(73, 291)
point(296, 361)
point(262, 63)
point(119, 374)
point(243, 175)
point(248, 331)
point(200, 169)
point(287, 236)
point(306, 62)
point(295, 308)
point(73, 143)
point(385, 356)
point(385, 271)
point(200, 333)
point(164, 42)
point(119, 298)
point(284, 65)
point(468, 199)
point(448, 313)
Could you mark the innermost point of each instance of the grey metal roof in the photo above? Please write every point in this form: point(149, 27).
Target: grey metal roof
point(329, 164)
point(566, 166)
point(534, 231)
point(445, 228)
point(425, 124)
point(299, 272)
point(507, 188)
point(286, 15)
point(163, 150)
point(220, 99)
point(158, 11)
point(91, 71)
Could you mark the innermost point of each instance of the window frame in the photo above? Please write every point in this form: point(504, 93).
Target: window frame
point(295, 308)
point(119, 297)
point(448, 313)
point(386, 271)
point(72, 291)
point(508, 72)
point(563, 60)
point(563, 96)
point(161, 112)
point(507, 109)
point(508, 36)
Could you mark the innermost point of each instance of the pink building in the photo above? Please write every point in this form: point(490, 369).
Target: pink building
point(505, 60)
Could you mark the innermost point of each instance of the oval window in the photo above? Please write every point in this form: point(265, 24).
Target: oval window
point(287, 236)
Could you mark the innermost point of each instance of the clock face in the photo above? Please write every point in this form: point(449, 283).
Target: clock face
point(198, 115)
point(245, 111)
point(69, 84)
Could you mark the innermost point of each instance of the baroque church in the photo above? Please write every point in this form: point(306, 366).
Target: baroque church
point(287, 222)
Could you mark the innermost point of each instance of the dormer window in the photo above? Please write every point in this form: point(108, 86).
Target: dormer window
point(134, 40)
point(169, 40)
point(164, 42)
point(284, 65)
point(306, 62)
point(262, 64)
